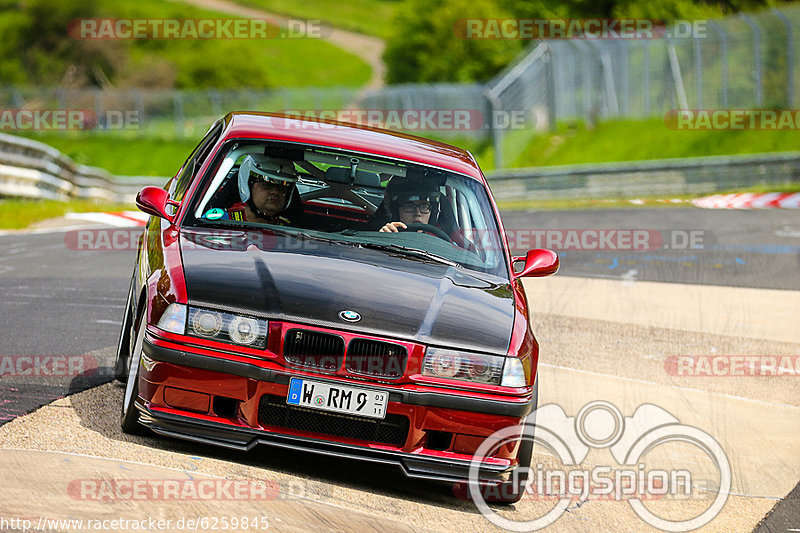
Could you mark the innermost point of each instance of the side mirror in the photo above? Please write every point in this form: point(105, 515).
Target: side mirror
point(154, 201)
point(539, 263)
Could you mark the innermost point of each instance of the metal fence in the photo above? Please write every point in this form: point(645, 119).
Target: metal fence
point(744, 61)
point(30, 169)
point(693, 176)
point(168, 113)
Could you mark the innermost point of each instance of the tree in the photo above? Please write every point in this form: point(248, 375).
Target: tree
point(429, 44)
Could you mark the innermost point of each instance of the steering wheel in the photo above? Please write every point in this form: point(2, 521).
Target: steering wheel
point(427, 228)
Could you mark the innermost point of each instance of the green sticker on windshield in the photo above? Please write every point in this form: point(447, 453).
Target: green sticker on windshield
point(213, 214)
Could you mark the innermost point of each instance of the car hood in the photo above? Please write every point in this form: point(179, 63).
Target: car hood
point(396, 297)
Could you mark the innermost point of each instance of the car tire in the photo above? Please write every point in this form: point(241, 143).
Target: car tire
point(509, 493)
point(124, 344)
point(129, 417)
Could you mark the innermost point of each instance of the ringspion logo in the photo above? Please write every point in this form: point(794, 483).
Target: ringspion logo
point(630, 440)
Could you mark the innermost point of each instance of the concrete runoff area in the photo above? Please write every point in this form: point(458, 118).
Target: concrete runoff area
point(600, 339)
point(735, 311)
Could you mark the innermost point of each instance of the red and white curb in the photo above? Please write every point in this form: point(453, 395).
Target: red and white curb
point(750, 200)
point(121, 219)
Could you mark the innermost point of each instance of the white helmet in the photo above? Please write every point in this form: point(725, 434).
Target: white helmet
point(258, 167)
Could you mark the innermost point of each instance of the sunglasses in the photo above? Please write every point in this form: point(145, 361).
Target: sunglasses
point(410, 207)
point(270, 182)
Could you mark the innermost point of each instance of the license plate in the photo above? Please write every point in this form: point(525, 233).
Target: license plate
point(337, 398)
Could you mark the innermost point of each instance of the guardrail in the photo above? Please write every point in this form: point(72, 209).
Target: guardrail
point(30, 169)
point(699, 175)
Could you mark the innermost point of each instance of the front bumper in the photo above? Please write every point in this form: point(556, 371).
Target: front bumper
point(246, 382)
point(244, 439)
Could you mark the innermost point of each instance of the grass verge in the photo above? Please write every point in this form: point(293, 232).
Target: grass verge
point(119, 155)
point(18, 214)
point(369, 17)
point(636, 140)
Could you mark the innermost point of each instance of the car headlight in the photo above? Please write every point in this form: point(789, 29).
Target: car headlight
point(243, 330)
point(227, 327)
point(466, 366)
point(206, 323)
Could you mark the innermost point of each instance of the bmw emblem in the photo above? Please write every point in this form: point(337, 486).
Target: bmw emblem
point(350, 316)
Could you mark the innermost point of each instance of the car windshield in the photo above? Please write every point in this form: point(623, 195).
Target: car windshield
point(308, 193)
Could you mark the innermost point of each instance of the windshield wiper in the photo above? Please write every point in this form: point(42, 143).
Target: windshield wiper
point(413, 252)
point(287, 231)
point(302, 235)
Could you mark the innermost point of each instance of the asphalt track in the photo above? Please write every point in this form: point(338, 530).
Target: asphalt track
point(58, 301)
point(740, 248)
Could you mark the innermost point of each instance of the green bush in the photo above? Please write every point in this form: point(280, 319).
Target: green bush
point(425, 48)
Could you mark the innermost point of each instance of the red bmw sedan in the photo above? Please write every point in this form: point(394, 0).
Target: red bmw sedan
point(334, 289)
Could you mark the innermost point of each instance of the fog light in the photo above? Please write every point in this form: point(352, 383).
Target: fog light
point(513, 373)
point(173, 319)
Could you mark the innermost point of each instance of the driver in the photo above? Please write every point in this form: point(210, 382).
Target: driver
point(411, 203)
point(268, 193)
point(418, 202)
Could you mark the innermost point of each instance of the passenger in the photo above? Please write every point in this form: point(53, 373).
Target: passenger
point(268, 193)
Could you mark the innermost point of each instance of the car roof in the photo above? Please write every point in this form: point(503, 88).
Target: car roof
point(352, 137)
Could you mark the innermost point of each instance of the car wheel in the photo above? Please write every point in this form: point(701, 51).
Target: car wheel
point(509, 492)
point(129, 418)
point(124, 345)
point(513, 494)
